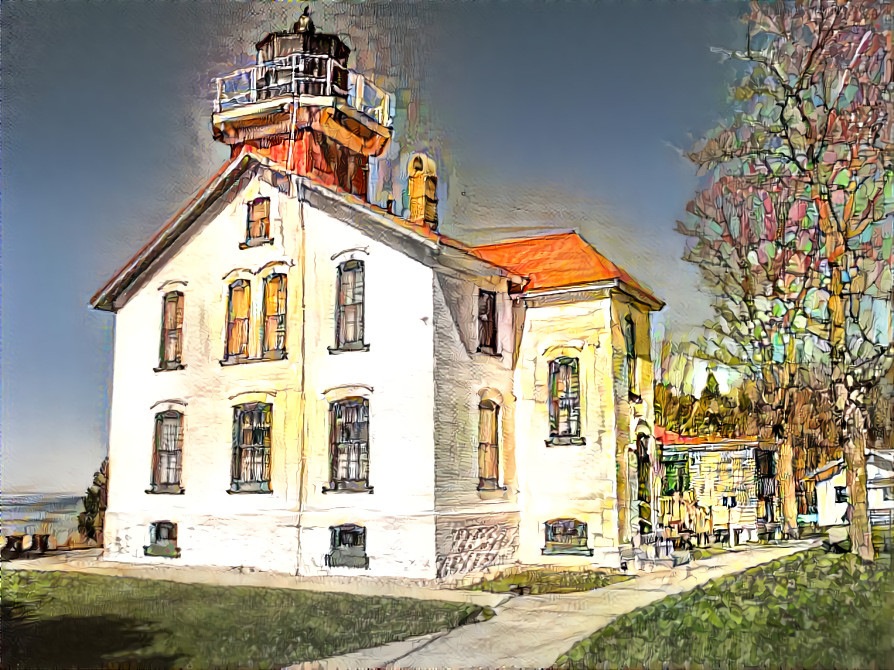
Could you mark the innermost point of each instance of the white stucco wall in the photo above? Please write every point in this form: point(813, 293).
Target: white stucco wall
point(261, 530)
point(576, 481)
point(396, 375)
point(214, 526)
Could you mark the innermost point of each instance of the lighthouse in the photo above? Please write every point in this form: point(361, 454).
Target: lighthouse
point(303, 108)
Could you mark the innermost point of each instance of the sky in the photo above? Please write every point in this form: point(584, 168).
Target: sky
point(541, 116)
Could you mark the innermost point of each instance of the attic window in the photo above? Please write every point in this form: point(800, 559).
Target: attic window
point(258, 225)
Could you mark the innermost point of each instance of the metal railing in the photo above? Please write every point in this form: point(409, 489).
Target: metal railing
point(302, 74)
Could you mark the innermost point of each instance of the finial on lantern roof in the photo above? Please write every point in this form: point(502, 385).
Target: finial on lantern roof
point(304, 24)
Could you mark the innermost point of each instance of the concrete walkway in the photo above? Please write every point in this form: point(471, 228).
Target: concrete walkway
point(533, 631)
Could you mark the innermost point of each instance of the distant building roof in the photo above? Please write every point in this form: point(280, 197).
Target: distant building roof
point(563, 260)
point(883, 460)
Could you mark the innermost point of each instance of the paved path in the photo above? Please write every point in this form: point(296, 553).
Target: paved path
point(533, 631)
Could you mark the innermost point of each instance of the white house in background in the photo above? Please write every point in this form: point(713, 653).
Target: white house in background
point(832, 492)
point(305, 382)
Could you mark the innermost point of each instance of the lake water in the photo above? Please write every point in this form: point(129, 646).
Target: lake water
point(40, 513)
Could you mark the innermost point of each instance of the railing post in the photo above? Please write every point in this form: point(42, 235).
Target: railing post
point(217, 100)
point(358, 92)
point(329, 62)
point(294, 77)
point(253, 94)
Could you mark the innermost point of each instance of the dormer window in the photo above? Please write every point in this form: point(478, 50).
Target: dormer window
point(258, 225)
point(487, 322)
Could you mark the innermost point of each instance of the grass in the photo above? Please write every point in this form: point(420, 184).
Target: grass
point(56, 619)
point(812, 610)
point(548, 581)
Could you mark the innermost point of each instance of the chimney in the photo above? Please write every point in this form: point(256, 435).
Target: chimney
point(423, 191)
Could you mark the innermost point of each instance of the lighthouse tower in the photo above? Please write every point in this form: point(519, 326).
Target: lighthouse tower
point(302, 107)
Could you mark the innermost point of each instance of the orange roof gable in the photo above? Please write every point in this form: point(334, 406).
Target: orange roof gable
point(557, 261)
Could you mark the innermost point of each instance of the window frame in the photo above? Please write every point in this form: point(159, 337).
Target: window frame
point(359, 460)
point(841, 495)
point(487, 322)
point(229, 355)
point(279, 351)
point(176, 363)
point(164, 548)
point(485, 482)
point(358, 267)
point(575, 547)
point(554, 400)
point(252, 240)
point(347, 554)
point(156, 486)
point(238, 484)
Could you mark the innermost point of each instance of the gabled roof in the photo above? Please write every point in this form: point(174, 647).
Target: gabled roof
point(551, 261)
point(562, 260)
point(351, 206)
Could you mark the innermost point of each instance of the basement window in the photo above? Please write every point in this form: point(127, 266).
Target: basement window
point(162, 540)
point(566, 536)
point(348, 547)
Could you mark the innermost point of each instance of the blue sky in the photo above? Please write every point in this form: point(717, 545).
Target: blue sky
point(544, 115)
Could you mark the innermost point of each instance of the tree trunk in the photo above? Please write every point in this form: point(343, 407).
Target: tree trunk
point(858, 505)
point(786, 477)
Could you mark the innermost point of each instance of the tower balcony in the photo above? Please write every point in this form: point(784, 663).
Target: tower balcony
point(269, 101)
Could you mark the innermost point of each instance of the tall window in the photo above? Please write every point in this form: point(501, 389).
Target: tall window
point(566, 536)
point(275, 315)
point(349, 306)
point(564, 399)
point(171, 352)
point(488, 446)
point(349, 426)
point(168, 452)
point(487, 322)
point(630, 346)
point(258, 227)
point(238, 314)
point(251, 447)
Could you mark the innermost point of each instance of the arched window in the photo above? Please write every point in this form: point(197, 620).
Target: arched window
point(566, 536)
point(488, 446)
point(238, 316)
point(171, 350)
point(167, 453)
point(275, 316)
point(349, 314)
point(564, 398)
point(349, 444)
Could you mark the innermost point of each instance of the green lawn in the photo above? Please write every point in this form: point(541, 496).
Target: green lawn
point(812, 610)
point(55, 619)
point(548, 581)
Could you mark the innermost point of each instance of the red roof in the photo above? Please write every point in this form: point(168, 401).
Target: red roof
point(557, 261)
